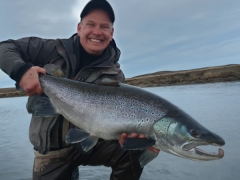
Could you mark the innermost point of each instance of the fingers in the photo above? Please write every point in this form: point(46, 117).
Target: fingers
point(30, 81)
point(39, 89)
point(122, 138)
point(154, 149)
point(40, 70)
point(135, 135)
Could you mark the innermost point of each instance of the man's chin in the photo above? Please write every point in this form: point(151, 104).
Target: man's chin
point(96, 52)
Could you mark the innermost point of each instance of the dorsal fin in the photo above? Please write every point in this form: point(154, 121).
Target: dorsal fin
point(109, 82)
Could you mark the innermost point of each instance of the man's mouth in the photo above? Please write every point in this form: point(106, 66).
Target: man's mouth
point(95, 40)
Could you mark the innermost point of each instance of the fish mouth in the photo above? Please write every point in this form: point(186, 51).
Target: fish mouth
point(196, 153)
point(219, 154)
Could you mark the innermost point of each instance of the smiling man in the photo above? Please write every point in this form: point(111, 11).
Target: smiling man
point(90, 55)
point(96, 31)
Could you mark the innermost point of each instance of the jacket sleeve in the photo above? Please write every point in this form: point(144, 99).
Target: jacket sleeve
point(17, 56)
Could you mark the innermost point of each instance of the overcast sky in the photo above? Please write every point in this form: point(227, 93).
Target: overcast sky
point(153, 35)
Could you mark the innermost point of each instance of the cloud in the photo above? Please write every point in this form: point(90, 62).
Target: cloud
point(48, 19)
point(179, 35)
point(5, 81)
point(2, 75)
point(77, 8)
point(152, 35)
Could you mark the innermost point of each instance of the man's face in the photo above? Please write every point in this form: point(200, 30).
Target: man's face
point(95, 31)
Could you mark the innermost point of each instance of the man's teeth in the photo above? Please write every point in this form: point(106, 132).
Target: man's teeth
point(95, 40)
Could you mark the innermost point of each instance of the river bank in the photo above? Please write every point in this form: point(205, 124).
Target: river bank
point(10, 92)
point(193, 76)
point(168, 78)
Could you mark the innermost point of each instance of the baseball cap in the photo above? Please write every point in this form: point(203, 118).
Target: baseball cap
point(98, 4)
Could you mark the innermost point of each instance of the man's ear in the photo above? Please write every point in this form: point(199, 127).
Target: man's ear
point(112, 32)
point(79, 28)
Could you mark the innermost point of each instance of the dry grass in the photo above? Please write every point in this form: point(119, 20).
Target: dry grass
point(10, 92)
point(7, 90)
point(194, 76)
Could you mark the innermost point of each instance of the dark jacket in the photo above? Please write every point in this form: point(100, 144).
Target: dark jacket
point(17, 56)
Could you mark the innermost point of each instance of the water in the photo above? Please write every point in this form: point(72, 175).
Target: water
point(216, 106)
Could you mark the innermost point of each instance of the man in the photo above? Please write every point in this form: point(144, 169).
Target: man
point(90, 55)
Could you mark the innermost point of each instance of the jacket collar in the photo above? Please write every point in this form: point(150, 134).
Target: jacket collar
point(110, 56)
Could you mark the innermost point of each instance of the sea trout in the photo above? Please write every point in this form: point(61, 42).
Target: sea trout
point(107, 110)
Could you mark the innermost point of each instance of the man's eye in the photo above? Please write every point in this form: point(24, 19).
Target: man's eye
point(92, 25)
point(105, 27)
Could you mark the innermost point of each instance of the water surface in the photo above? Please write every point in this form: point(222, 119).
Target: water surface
point(216, 106)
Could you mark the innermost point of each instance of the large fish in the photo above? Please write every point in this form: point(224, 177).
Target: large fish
point(107, 110)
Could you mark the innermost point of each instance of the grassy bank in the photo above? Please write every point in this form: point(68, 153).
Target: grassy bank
point(10, 92)
point(194, 76)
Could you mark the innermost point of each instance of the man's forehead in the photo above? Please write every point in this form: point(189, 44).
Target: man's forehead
point(94, 17)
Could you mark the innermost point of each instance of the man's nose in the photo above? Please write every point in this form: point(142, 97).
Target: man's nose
point(97, 30)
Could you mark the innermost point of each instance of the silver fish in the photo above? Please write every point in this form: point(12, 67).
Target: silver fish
point(107, 110)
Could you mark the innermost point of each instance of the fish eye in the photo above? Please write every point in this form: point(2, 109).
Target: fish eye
point(194, 133)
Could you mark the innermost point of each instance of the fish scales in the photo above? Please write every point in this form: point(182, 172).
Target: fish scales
point(112, 108)
point(105, 112)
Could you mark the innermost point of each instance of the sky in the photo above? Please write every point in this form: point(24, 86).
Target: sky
point(153, 35)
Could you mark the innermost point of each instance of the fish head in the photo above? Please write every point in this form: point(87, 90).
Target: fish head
point(179, 134)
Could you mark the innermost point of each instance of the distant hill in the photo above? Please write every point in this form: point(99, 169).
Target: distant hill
point(10, 92)
point(225, 73)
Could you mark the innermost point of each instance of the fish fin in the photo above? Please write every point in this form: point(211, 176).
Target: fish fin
point(78, 146)
point(44, 108)
point(137, 143)
point(109, 82)
point(76, 135)
point(88, 143)
point(146, 157)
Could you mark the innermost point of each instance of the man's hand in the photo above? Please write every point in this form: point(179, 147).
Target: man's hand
point(30, 81)
point(134, 135)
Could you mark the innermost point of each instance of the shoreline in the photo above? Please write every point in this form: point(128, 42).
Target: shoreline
point(168, 78)
point(10, 92)
point(195, 76)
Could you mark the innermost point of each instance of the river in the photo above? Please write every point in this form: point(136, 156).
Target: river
point(215, 105)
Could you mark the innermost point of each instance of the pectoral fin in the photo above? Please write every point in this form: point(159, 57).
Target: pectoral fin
point(76, 135)
point(137, 143)
point(86, 141)
point(44, 107)
point(146, 157)
point(89, 143)
point(78, 146)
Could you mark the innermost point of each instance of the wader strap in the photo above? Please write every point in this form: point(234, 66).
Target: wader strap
point(58, 134)
point(66, 127)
